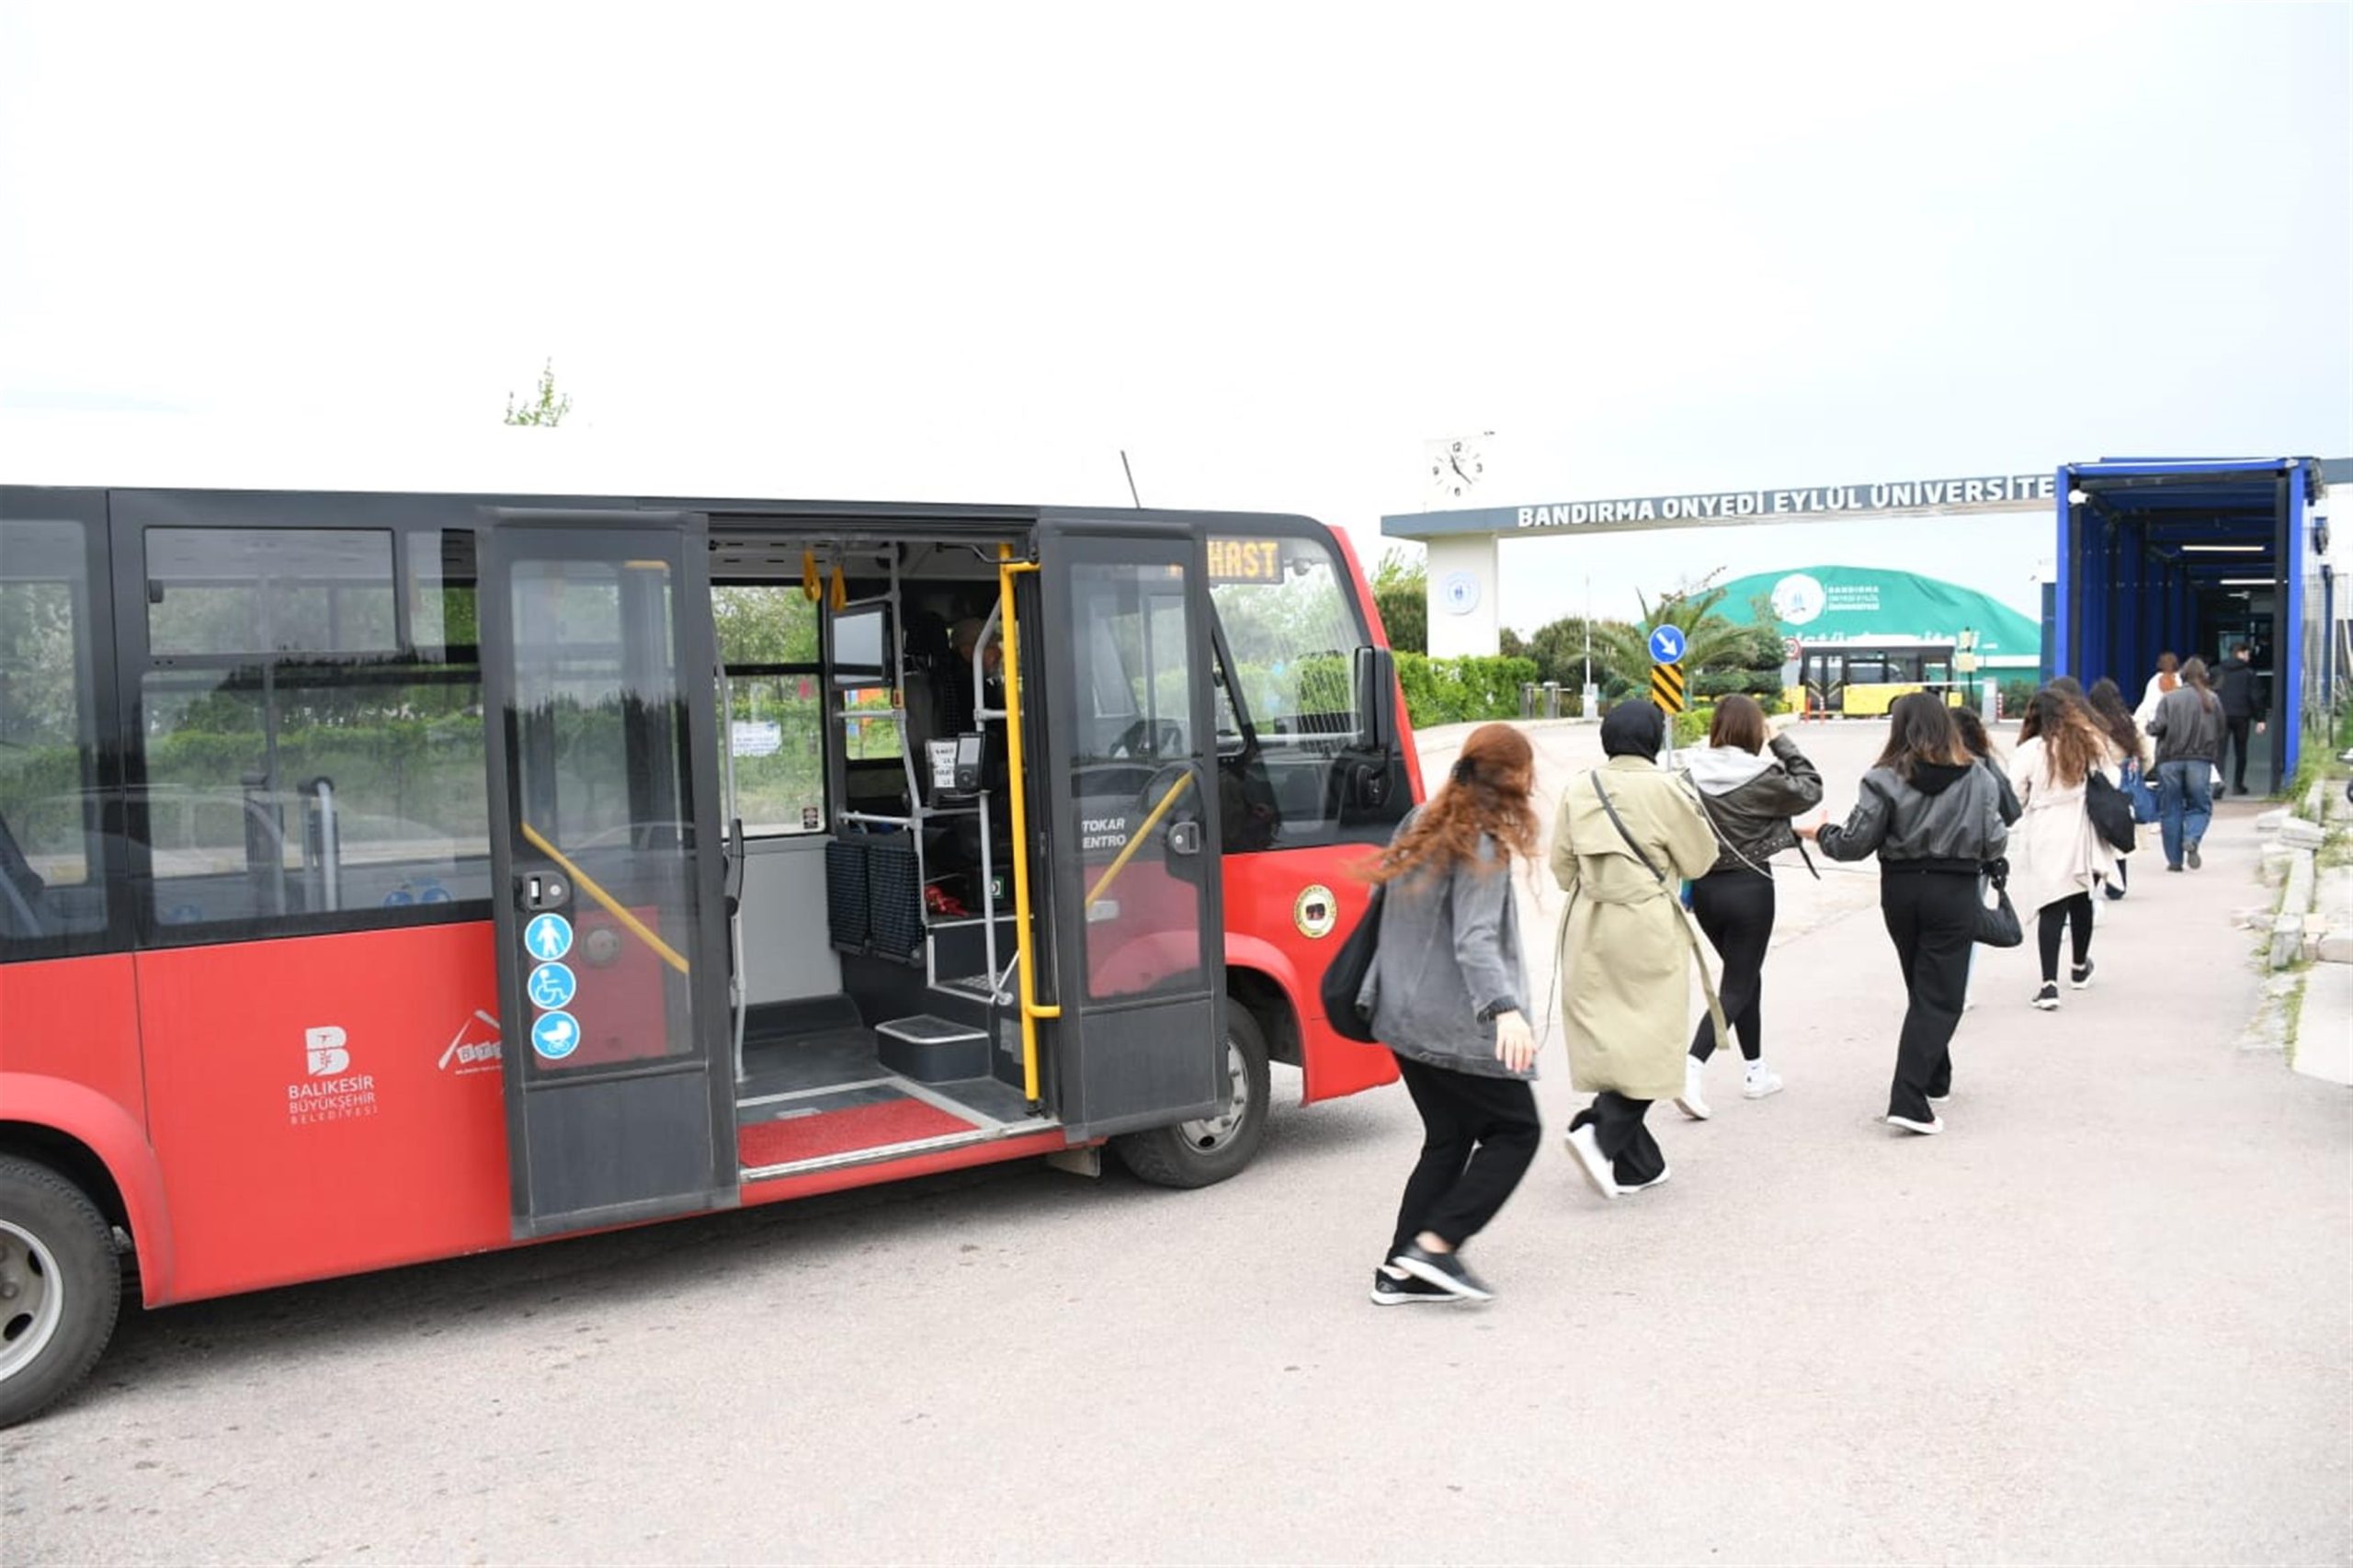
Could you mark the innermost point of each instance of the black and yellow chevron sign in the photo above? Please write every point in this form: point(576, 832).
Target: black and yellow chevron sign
point(1666, 686)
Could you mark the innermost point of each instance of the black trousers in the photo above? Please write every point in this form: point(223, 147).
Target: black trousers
point(2235, 749)
point(1617, 1123)
point(1478, 1136)
point(1735, 910)
point(2069, 914)
point(1931, 916)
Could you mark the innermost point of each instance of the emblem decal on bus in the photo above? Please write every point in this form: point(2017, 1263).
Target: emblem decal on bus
point(333, 1091)
point(477, 1045)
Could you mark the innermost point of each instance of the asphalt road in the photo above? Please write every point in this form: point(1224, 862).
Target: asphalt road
point(2104, 1318)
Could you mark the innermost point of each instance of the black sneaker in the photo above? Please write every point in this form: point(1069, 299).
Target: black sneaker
point(1446, 1270)
point(2048, 997)
point(2172, 868)
point(1402, 1290)
point(2190, 854)
point(2080, 975)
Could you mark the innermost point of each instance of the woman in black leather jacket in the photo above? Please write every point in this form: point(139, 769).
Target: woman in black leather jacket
point(1934, 817)
point(1749, 792)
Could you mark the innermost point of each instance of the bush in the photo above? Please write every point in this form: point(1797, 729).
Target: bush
point(1456, 691)
point(1691, 726)
point(2017, 693)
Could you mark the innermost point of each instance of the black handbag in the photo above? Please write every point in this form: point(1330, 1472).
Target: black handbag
point(1997, 924)
point(2110, 810)
point(1344, 980)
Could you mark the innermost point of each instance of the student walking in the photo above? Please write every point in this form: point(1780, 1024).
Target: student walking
point(2167, 677)
point(2057, 857)
point(1934, 818)
point(2189, 728)
point(2239, 688)
point(1626, 834)
point(2129, 750)
point(1749, 788)
point(1446, 986)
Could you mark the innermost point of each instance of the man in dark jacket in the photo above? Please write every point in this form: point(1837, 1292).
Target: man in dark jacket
point(2189, 728)
point(2241, 690)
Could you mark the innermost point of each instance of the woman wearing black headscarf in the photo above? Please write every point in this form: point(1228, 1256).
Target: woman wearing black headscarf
point(1628, 834)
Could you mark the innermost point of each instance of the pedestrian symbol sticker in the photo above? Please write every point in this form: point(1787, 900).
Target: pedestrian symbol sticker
point(551, 986)
point(548, 938)
point(555, 1035)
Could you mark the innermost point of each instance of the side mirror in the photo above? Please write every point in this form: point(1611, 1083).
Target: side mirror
point(1376, 695)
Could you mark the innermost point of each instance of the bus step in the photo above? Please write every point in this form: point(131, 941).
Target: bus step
point(932, 1049)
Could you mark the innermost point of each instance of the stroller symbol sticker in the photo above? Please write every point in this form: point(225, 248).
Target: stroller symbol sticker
point(548, 938)
point(555, 1035)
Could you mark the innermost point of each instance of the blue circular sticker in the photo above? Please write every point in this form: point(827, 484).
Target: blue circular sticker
point(399, 898)
point(548, 938)
point(551, 986)
point(555, 1035)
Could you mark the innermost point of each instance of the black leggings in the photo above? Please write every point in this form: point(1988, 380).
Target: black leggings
point(1478, 1136)
point(1735, 910)
point(2073, 912)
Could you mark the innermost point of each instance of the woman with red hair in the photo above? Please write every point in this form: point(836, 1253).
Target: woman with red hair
point(1447, 990)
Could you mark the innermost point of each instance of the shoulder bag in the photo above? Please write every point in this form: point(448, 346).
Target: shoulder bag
point(1347, 996)
point(1998, 923)
point(2110, 811)
point(2137, 790)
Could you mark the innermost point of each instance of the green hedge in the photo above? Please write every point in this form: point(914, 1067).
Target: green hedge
point(1456, 691)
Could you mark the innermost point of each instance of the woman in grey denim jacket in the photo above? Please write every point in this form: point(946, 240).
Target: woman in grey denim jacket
point(1447, 992)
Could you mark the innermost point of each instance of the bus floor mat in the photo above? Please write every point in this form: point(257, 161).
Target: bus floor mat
point(813, 1135)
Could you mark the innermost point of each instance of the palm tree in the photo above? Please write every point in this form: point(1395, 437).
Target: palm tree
point(1708, 637)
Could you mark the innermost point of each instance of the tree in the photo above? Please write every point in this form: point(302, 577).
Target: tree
point(550, 408)
point(1710, 641)
point(1401, 590)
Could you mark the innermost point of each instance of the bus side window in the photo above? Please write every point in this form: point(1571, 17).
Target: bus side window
point(767, 640)
point(311, 758)
point(52, 894)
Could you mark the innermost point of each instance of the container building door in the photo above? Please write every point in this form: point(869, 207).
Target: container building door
point(597, 660)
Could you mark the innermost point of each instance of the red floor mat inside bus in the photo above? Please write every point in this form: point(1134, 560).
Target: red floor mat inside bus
point(900, 1120)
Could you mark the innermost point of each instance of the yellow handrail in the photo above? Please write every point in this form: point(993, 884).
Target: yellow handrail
point(612, 905)
point(1128, 850)
point(1031, 1011)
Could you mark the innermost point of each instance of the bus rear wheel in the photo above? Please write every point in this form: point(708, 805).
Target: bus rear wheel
point(1196, 1153)
point(61, 1288)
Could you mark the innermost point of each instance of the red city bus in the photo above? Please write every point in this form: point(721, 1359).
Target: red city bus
point(385, 877)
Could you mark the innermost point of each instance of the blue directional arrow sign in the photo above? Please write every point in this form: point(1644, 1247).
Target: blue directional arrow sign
point(1666, 644)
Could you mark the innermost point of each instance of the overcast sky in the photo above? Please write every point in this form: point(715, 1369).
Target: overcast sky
point(1270, 250)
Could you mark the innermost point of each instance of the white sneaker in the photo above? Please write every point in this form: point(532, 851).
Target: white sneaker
point(1645, 1185)
point(1761, 1081)
point(1586, 1149)
point(1935, 1124)
point(1693, 1101)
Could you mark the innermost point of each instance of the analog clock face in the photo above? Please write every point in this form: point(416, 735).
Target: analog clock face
point(1455, 469)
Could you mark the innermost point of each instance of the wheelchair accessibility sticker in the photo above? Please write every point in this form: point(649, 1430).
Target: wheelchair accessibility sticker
point(551, 986)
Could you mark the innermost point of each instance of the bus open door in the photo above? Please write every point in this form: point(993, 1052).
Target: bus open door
point(606, 859)
point(1132, 793)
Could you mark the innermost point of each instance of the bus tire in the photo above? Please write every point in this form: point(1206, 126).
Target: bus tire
point(61, 1288)
point(1196, 1153)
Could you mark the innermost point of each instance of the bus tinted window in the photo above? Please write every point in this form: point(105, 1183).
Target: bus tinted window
point(269, 591)
point(283, 785)
point(52, 878)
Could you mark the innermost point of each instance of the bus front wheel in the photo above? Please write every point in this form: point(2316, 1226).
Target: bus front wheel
point(61, 1287)
point(1195, 1153)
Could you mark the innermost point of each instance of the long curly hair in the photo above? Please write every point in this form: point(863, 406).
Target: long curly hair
point(1487, 793)
point(2070, 736)
point(2115, 721)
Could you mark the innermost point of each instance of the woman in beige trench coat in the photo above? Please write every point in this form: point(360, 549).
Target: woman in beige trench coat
point(1626, 950)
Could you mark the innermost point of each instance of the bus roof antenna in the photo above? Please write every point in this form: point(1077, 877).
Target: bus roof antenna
point(1128, 469)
